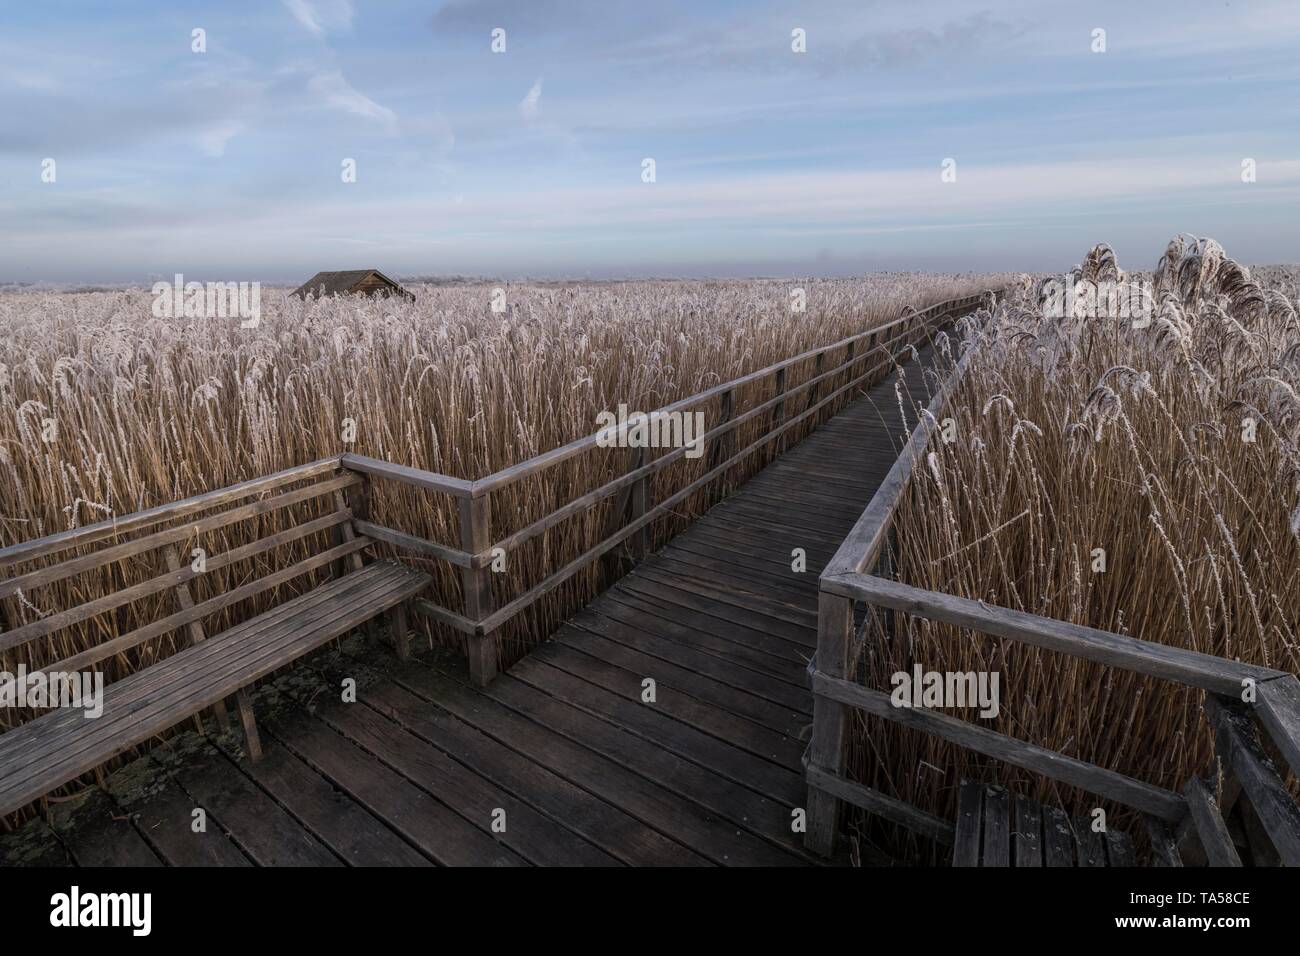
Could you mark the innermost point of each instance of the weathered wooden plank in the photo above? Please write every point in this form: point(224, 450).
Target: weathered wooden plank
point(185, 601)
point(97, 833)
point(1238, 746)
point(771, 737)
point(91, 533)
point(579, 749)
point(1164, 848)
point(860, 547)
point(347, 828)
point(409, 542)
point(1058, 838)
point(715, 613)
point(422, 820)
point(1119, 848)
point(1210, 828)
point(661, 724)
point(164, 814)
point(748, 692)
point(1116, 650)
point(765, 653)
point(1027, 832)
point(260, 826)
point(177, 577)
point(72, 566)
point(58, 741)
point(221, 601)
point(406, 475)
point(34, 844)
point(969, 832)
point(476, 536)
point(1089, 843)
point(695, 790)
point(882, 805)
point(58, 747)
point(1143, 796)
point(528, 833)
point(1278, 710)
point(997, 827)
point(527, 775)
point(830, 720)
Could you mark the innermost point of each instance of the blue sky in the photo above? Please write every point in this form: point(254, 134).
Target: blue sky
point(227, 164)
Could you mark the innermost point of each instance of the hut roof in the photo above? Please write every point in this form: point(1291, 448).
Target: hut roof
point(350, 282)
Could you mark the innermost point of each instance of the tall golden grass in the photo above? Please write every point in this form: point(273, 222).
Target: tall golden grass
point(1077, 434)
point(148, 410)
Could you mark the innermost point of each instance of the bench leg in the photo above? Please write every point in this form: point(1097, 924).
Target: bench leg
point(397, 623)
point(251, 738)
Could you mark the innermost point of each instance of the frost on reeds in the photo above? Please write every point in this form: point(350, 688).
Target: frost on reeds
point(105, 410)
point(1155, 496)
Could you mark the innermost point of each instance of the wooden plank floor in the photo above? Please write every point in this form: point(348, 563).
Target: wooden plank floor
point(560, 761)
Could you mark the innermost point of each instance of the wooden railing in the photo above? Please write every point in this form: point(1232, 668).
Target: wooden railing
point(1188, 821)
point(838, 368)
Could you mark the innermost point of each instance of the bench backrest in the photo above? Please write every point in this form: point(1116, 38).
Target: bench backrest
point(147, 555)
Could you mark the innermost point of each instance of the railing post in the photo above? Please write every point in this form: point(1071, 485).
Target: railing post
point(778, 412)
point(475, 537)
point(818, 364)
point(830, 719)
point(720, 451)
point(850, 351)
point(640, 542)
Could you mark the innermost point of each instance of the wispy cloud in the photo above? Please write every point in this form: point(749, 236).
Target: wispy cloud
point(321, 16)
point(529, 104)
point(340, 94)
point(214, 139)
point(764, 154)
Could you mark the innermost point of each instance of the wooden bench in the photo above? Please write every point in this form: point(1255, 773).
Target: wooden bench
point(997, 828)
point(55, 748)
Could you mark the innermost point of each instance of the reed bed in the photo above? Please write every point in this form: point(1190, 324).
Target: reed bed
point(148, 410)
point(1173, 449)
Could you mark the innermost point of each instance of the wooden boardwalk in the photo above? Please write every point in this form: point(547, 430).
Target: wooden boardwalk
point(559, 760)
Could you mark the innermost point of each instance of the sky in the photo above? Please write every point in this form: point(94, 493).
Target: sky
point(230, 163)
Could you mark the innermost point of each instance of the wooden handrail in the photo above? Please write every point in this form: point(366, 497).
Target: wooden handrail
point(417, 477)
point(1177, 664)
point(513, 473)
point(862, 544)
point(476, 551)
point(523, 601)
point(844, 581)
point(580, 504)
point(1157, 801)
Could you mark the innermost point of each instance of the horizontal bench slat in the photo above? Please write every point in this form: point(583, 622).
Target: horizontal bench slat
point(211, 606)
point(89, 534)
point(62, 619)
point(66, 569)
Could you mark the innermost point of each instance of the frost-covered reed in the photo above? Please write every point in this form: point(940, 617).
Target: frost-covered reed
point(1169, 456)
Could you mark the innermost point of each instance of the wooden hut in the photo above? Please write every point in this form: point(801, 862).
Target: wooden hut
point(353, 282)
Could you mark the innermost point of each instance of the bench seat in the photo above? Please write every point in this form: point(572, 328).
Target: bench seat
point(998, 828)
point(59, 746)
